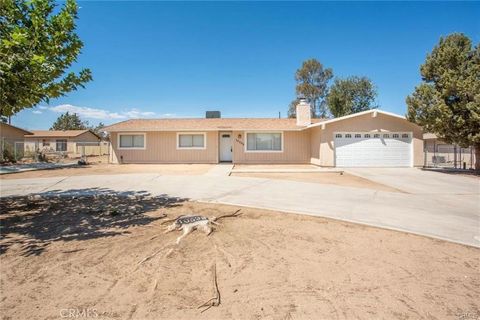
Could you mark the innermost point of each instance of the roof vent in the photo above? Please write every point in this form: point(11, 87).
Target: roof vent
point(212, 114)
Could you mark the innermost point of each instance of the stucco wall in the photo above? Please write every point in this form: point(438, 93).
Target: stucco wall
point(10, 134)
point(32, 143)
point(315, 140)
point(364, 123)
point(86, 137)
point(161, 147)
point(296, 149)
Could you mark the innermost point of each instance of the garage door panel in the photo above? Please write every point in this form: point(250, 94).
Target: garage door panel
point(372, 152)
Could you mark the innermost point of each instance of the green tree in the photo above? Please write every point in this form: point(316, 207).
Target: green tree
point(312, 84)
point(38, 44)
point(69, 121)
point(351, 95)
point(447, 102)
point(98, 129)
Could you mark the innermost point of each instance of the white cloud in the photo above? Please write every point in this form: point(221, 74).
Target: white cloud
point(37, 112)
point(102, 114)
point(42, 107)
point(135, 113)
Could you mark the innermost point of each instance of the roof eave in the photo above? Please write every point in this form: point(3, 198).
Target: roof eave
point(322, 123)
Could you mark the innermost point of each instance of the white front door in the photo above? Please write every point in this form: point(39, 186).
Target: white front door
point(373, 149)
point(226, 146)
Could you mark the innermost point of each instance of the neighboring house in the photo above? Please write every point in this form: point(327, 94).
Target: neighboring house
point(439, 153)
point(60, 140)
point(12, 139)
point(372, 138)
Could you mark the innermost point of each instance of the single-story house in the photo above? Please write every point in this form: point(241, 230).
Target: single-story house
point(12, 139)
point(371, 138)
point(60, 140)
point(439, 153)
point(11, 134)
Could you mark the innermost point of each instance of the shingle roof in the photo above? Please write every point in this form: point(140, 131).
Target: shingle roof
point(9, 125)
point(56, 133)
point(206, 124)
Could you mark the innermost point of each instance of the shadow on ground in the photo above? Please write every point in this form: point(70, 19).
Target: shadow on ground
point(33, 222)
point(452, 171)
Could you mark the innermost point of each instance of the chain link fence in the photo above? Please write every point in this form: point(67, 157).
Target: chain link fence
point(449, 156)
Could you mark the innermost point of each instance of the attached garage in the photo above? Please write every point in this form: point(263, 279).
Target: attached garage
point(365, 149)
point(372, 138)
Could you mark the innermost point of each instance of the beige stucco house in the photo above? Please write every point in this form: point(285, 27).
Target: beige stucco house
point(59, 140)
point(372, 138)
point(11, 134)
point(11, 139)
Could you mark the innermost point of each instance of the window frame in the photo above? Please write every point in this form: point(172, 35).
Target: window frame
point(144, 134)
point(204, 134)
point(61, 141)
point(282, 147)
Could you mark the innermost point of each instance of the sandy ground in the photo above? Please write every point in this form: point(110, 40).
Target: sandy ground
point(344, 179)
point(81, 257)
point(105, 168)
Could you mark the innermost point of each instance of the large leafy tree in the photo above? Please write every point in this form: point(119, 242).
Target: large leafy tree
point(312, 84)
point(37, 46)
point(447, 102)
point(69, 121)
point(351, 95)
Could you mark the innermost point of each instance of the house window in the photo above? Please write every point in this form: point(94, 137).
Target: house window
point(367, 135)
point(264, 141)
point(191, 141)
point(386, 135)
point(348, 135)
point(358, 135)
point(45, 143)
point(61, 145)
point(396, 135)
point(405, 135)
point(338, 135)
point(131, 141)
point(376, 135)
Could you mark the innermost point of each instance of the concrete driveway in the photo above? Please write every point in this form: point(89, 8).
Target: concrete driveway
point(436, 205)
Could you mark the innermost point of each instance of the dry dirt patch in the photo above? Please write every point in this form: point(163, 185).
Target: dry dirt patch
point(78, 254)
point(336, 178)
point(104, 168)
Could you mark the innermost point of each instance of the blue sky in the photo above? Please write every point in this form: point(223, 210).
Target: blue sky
point(156, 59)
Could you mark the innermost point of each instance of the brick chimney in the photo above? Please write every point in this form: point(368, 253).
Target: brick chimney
point(303, 113)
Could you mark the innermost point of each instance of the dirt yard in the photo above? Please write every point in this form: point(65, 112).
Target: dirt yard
point(80, 258)
point(344, 179)
point(105, 168)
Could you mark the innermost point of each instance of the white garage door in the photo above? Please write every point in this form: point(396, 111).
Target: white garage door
point(366, 149)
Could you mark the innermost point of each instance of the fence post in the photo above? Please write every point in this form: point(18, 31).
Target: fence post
point(455, 156)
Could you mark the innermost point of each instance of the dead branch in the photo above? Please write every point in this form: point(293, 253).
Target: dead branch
point(215, 301)
point(235, 214)
point(171, 220)
point(152, 255)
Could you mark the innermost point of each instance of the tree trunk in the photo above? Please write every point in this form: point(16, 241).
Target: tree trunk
point(477, 157)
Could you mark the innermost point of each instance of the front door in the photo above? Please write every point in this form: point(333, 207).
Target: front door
point(226, 146)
